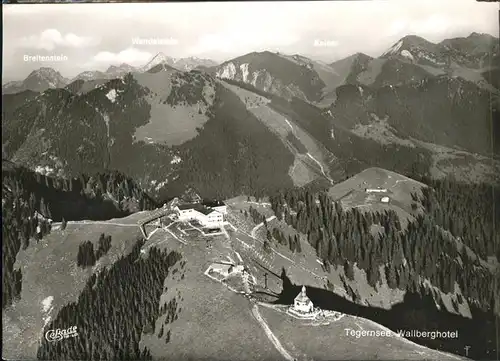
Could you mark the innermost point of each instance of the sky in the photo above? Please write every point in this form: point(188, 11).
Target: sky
point(94, 36)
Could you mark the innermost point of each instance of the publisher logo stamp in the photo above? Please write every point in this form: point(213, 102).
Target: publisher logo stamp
point(61, 334)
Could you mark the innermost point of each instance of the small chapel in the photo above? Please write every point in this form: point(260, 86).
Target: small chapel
point(302, 305)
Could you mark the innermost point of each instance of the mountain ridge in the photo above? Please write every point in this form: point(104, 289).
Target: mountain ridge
point(472, 53)
point(181, 99)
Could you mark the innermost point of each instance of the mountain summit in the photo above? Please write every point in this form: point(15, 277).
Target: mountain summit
point(158, 59)
point(418, 50)
point(38, 80)
point(122, 69)
point(188, 64)
point(279, 74)
point(183, 64)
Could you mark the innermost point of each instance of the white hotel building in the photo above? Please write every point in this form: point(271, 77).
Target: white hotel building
point(206, 216)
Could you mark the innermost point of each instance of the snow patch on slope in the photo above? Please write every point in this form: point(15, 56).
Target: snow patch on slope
point(46, 170)
point(111, 95)
point(175, 160)
point(47, 309)
point(407, 54)
point(47, 303)
point(106, 120)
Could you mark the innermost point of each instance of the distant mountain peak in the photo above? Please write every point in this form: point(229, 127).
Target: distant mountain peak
point(45, 71)
point(473, 51)
point(481, 35)
point(45, 75)
point(115, 71)
point(414, 39)
point(189, 63)
point(408, 43)
point(158, 59)
point(360, 58)
point(46, 68)
point(122, 66)
point(38, 80)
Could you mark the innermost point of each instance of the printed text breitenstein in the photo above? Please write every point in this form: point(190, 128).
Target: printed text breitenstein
point(401, 333)
point(42, 58)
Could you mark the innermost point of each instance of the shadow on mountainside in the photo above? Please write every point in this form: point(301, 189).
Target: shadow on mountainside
point(416, 312)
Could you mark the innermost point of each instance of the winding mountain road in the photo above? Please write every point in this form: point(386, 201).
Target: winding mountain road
point(256, 228)
point(276, 343)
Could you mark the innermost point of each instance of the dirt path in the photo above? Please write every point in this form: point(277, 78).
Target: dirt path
point(96, 222)
point(254, 230)
point(154, 231)
point(270, 334)
point(309, 154)
point(239, 256)
point(173, 235)
point(290, 125)
point(322, 168)
point(263, 204)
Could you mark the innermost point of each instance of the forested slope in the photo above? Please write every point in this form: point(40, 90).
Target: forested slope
point(30, 201)
point(427, 249)
point(112, 331)
point(446, 257)
point(233, 154)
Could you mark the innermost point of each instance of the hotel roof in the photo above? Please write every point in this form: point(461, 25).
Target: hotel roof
point(197, 207)
point(204, 210)
point(187, 206)
point(213, 203)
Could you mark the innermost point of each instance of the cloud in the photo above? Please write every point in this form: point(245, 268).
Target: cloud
point(325, 43)
point(223, 30)
point(435, 24)
point(240, 41)
point(51, 38)
point(131, 56)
